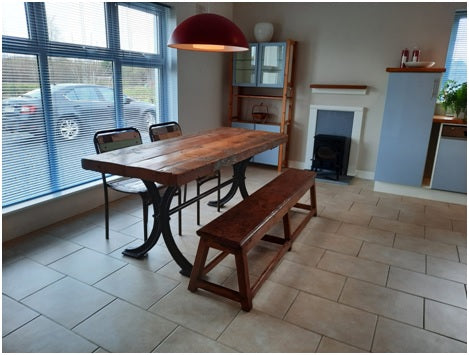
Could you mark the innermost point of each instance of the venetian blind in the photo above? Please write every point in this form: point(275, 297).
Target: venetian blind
point(69, 70)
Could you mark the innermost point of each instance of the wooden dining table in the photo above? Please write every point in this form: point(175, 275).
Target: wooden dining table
point(177, 161)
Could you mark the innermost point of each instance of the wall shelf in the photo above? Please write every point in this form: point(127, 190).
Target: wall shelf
point(338, 89)
point(415, 70)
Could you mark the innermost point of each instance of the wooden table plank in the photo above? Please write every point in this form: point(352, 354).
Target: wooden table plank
point(180, 160)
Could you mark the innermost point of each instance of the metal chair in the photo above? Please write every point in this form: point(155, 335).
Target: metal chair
point(165, 130)
point(112, 139)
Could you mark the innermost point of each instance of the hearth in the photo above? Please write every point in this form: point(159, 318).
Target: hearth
point(331, 156)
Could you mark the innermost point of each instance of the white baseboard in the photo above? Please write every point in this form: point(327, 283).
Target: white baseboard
point(421, 192)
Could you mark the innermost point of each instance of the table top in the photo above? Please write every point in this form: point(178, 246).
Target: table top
point(179, 160)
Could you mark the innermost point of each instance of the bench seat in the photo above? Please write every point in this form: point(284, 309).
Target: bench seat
point(240, 228)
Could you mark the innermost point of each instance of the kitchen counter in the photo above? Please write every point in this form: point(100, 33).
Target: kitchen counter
point(447, 119)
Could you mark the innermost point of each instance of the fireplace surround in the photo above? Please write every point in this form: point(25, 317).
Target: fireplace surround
point(355, 134)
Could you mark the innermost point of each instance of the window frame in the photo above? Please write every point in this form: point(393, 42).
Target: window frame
point(459, 14)
point(38, 45)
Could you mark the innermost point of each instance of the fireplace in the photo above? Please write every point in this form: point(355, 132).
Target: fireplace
point(341, 121)
point(330, 156)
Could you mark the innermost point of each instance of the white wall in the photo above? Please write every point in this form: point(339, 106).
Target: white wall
point(350, 43)
point(202, 77)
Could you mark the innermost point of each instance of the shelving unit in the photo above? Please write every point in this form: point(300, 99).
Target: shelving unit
point(253, 80)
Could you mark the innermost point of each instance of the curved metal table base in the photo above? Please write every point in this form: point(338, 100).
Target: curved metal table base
point(162, 211)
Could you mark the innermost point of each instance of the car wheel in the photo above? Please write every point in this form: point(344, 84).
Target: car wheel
point(68, 128)
point(149, 118)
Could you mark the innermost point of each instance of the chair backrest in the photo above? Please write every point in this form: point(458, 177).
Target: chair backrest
point(160, 131)
point(112, 139)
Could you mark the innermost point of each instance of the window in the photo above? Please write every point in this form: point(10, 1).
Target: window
point(69, 70)
point(456, 59)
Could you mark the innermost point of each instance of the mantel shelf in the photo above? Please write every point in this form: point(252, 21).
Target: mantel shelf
point(266, 97)
point(339, 89)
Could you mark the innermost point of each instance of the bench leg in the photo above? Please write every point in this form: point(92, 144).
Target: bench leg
point(313, 199)
point(199, 263)
point(244, 285)
point(286, 229)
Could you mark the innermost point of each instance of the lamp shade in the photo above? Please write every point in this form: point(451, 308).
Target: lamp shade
point(208, 33)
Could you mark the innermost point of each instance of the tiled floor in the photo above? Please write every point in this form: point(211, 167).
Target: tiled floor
point(373, 272)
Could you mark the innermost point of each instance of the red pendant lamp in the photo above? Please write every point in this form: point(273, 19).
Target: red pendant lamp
point(208, 33)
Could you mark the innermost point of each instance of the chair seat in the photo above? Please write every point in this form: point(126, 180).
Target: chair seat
point(128, 185)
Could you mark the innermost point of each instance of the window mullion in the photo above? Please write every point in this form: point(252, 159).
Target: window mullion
point(112, 30)
point(38, 30)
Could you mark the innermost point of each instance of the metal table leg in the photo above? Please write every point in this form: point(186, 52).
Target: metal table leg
point(161, 208)
point(239, 178)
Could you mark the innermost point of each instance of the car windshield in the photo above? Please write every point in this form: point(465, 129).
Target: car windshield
point(35, 94)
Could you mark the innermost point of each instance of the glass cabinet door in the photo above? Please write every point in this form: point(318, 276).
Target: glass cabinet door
point(271, 64)
point(245, 67)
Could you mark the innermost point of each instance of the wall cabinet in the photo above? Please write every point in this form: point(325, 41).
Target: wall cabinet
point(407, 122)
point(262, 66)
point(268, 67)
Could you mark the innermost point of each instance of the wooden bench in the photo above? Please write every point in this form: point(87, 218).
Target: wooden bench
point(241, 228)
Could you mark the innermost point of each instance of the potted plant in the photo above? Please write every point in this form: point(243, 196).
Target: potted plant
point(453, 98)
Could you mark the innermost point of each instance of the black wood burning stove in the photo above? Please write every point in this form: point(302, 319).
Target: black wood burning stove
point(331, 154)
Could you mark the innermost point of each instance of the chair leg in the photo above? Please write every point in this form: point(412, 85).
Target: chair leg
point(218, 192)
point(185, 192)
point(180, 212)
point(106, 211)
point(198, 204)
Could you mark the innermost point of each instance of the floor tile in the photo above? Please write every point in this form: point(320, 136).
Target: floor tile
point(383, 301)
point(373, 210)
point(118, 220)
point(274, 299)
point(96, 239)
point(423, 219)
point(446, 236)
point(396, 337)
point(139, 287)
point(346, 216)
point(67, 301)
point(154, 260)
point(451, 211)
point(87, 265)
point(427, 286)
point(462, 253)
point(397, 226)
point(447, 269)
point(323, 224)
point(459, 226)
point(424, 246)
point(14, 315)
point(183, 340)
point(69, 227)
point(309, 279)
point(201, 311)
point(334, 320)
point(446, 320)
point(24, 277)
point(51, 250)
point(255, 332)
point(369, 234)
point(354, 267)
point(121, 327)
point(331, 241)
point(41, 335)
point(304, 254)
point(329, 345)
point(397, 257)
